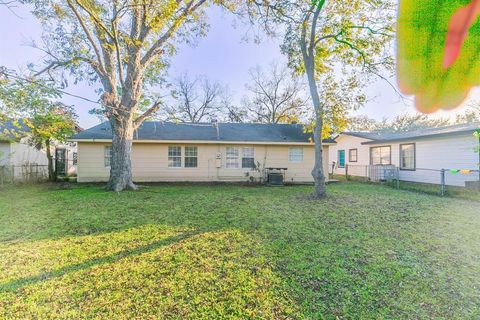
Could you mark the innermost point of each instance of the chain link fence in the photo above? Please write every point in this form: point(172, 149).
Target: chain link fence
point(435, 181)
point(31, 173)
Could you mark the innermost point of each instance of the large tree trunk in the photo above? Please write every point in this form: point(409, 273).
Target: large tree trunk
point(121, 177)
point(51, 171)
point(317, 172)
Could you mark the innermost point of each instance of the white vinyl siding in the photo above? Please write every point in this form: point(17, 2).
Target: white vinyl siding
point(295, 155)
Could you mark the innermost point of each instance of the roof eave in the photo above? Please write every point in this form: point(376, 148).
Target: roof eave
point(447, 134)
point(93, 140)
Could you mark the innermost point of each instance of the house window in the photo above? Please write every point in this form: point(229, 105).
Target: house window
point(248, 157)
point(341, 158)
point(295, 155)
point(353, 155)
point(174, 157)
point(232, 158)
point(407, 156)
point(381, 155)
point(74, 158)
point(191, 157)
point(107, 156)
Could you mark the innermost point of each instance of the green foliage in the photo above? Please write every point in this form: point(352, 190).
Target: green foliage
point(56, 124)
point(30, 103)
point(211, 252)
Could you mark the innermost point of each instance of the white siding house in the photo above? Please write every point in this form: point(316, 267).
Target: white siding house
point(19, 160)
point(419, 155)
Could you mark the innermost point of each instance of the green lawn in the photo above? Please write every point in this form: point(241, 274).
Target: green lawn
point(209, 252)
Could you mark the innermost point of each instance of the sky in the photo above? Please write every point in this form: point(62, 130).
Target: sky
point(225, 55)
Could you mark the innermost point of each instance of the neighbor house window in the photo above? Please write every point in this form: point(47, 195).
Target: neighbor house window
point(232, 157)
point(407, 156)
point(191, 157)
point(74, 158)
point(248, 157)
point(174, 157)
point(381, 155)
point(295, 154)
point(341, 158)
point(353, 155)
point(107, 156)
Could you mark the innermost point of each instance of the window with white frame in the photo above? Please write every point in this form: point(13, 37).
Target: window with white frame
point(295, 155)
point(174, 157)
point(353, 155)
point(407, 156)
point(191, 157)
point(248, 157)
point(232, 158)
point(107, 156)
point(381, 155)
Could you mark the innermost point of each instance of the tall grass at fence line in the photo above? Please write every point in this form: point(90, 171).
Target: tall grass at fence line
point(24, 174)
point(435, 189)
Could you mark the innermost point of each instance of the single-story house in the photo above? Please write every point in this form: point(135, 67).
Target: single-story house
point(20, 160)
point(165, 151)
point(419, 155)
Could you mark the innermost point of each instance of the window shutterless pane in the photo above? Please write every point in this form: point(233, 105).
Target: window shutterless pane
point(407, 156)
point(380, 155)
point(191, 162)
point(191, 151)
point(174, 157)
point(295, 154)
point(175, 151)
point(248, 157)
point(248, 163)
point(232, 158)
point(191, 157)
point(108, 156)
point(352, 155)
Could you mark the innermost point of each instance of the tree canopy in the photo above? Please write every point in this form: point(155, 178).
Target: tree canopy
point(348, 38)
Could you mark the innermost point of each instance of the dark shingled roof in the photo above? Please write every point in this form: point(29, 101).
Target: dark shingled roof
point(380, 137)
point(250, 132)
point(11, 130)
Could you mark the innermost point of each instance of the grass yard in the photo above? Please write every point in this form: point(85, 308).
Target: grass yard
point(213, 251)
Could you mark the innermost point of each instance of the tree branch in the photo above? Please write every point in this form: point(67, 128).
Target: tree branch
point(152, 110)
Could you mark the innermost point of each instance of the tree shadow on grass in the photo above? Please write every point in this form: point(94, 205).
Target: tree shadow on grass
point(19, 283)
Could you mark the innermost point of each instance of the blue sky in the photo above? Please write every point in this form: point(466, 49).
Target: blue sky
point(223, 55)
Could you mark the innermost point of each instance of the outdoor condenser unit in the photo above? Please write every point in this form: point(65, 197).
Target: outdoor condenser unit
point(275, 179)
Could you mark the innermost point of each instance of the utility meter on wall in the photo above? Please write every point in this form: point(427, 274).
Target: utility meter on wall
point(218, 160)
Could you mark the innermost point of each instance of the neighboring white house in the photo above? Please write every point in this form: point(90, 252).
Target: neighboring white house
point(164, 151)
point(419, 155)
point(20, 160)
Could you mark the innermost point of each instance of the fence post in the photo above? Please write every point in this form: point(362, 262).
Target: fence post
point(398, 177)
point(442, 179)
point(346, 171)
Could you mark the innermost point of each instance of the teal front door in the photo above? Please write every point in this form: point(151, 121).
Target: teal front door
point(341, 158)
